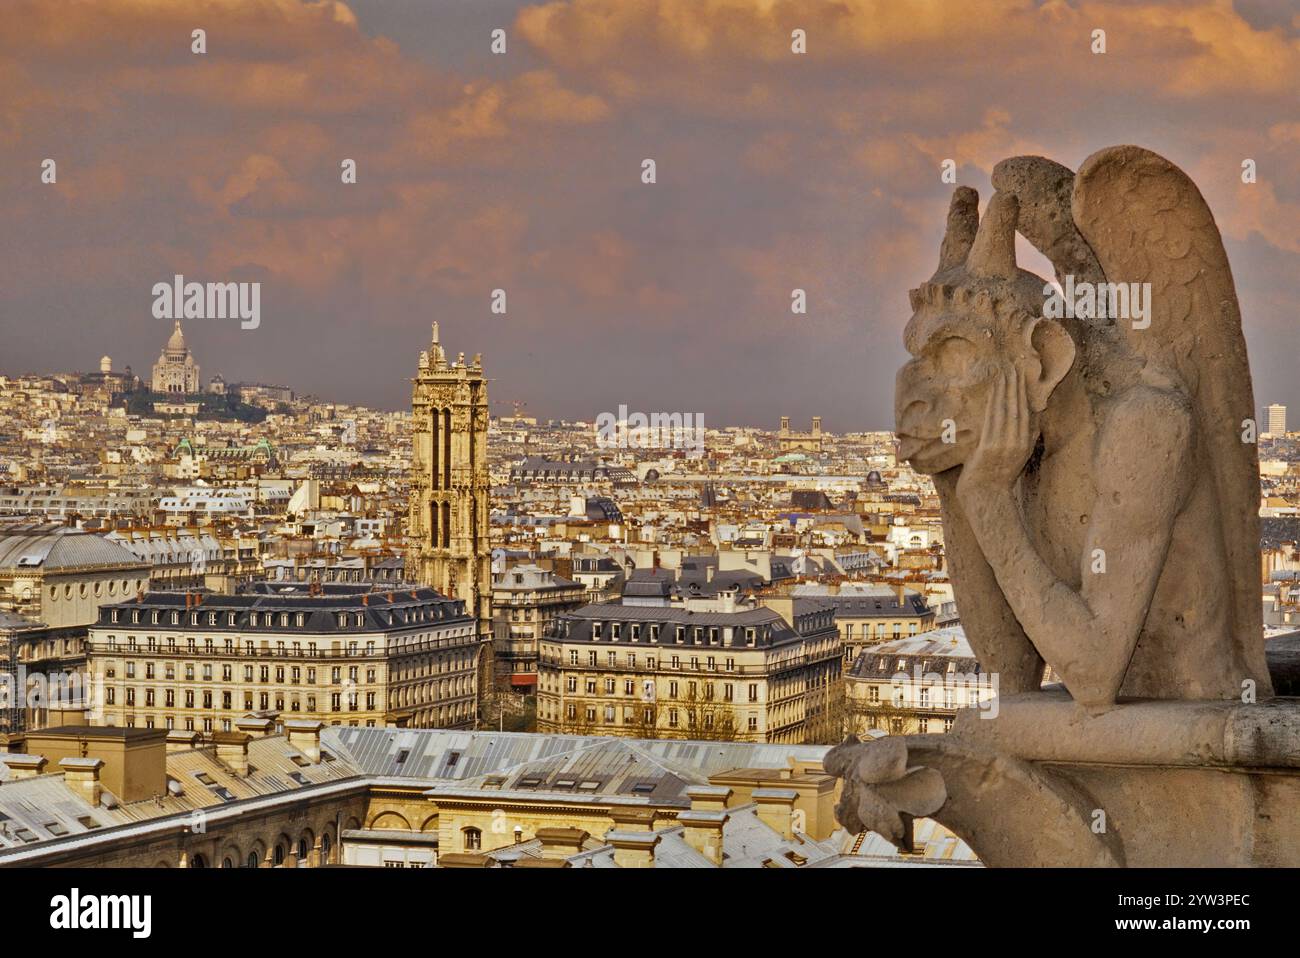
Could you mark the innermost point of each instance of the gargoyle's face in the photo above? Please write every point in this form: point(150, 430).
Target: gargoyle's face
point(977, 319)
point(941, 393)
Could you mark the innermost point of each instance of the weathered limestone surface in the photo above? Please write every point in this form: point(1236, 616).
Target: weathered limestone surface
point(1095, 461)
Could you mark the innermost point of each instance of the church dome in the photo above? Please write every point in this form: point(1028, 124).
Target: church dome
point(177, 342)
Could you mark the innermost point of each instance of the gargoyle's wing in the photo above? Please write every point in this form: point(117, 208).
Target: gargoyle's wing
point(1147, 222)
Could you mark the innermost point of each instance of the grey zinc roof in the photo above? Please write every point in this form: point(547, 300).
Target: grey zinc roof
point(604, 611)
point(52, 546)
point(429, 752)
point(871, 606)
point(386, 606)
point(45, 809)
point(12, 622)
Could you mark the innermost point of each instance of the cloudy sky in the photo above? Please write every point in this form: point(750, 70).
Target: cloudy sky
point(522, 172)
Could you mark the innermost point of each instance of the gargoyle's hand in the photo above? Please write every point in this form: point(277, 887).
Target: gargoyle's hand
point(1006, 441)
point(878, 785)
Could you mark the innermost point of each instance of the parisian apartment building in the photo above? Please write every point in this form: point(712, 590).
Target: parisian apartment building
point(525, 599)
point(878, 614)
point(728, 669)
point(916, 684)
point(341, 654)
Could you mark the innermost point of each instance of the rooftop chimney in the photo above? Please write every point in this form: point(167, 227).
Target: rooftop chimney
point(179, 740)
point(633, 818)
point(254, 725)
point(82, 776)
point(702, 825)
point(776, 809)
point(561, 843)
point(709, 798)
point(463, 860)
point(633, 849)
point(232, 750)
point(24, 766)
point(304, 735)
point(133, 761)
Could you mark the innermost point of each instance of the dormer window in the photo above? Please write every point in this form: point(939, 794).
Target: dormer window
point(595, 630)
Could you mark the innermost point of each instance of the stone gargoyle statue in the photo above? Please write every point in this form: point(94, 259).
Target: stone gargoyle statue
point(1097, 473)
point(1092, 443)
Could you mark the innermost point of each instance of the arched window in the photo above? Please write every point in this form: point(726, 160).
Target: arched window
point(227, 863)
point(325, 849)
point(303, 849)
point(473, 839)
point(279, 855)
point(253, 860)
point(198, 861)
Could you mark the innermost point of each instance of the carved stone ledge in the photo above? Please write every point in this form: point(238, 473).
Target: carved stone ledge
point(1148, 783)
point(1049, 727)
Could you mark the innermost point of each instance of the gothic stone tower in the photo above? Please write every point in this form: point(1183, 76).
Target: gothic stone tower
point(448, 521)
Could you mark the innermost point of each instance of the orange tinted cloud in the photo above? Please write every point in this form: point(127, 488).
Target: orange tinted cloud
point(776, 171)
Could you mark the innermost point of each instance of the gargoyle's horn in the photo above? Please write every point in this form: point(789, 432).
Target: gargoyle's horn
point(994, 251)
point(963, 220)
point(1044, 190)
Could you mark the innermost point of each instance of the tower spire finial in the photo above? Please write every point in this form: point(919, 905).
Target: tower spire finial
point(435, 331)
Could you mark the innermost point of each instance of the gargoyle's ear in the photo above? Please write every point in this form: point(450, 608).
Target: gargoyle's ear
point(1051, 352)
